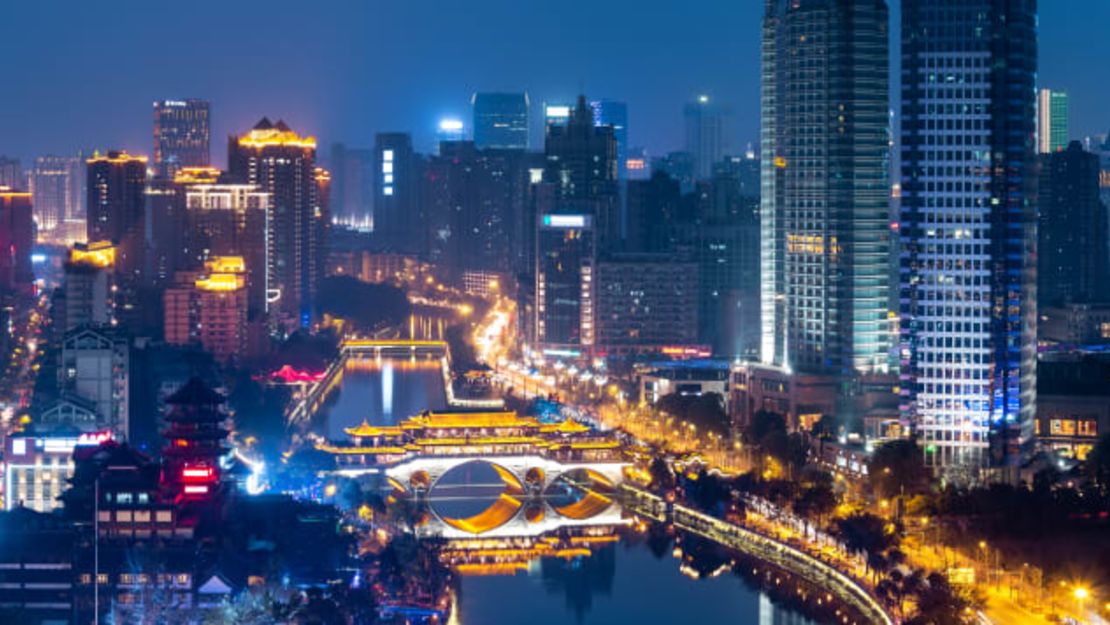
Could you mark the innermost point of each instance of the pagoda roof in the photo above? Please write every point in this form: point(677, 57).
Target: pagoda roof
point(568, 426)
point(365, 429)
point(195, 393)
point(499, 419)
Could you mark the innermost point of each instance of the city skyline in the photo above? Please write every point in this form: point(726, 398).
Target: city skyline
point(362, 89)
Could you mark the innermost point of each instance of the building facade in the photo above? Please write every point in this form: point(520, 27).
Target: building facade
point(825, 233)
point(968, 230)
point(16, 239)
point(645, 302)
point(1071, 230)
point(708, 127)
point(500, 120)
point(181, 135)
point(1052, 121)
point(282, 164)
point(399, 222)
point(95, 365)
point(117, 207)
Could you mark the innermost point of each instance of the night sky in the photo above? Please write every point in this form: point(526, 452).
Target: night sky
point(82, 74)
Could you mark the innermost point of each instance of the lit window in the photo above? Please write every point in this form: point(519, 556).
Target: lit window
point(387, 155)
point(387, 167)
point(388, 178)
point(387, 191)
point(19, 446)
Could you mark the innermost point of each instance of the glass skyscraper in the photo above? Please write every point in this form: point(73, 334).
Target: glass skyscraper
point(500, 120)
point(968, 270)
point(825, 193)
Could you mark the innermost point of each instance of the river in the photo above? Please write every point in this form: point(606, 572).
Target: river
point(626, 577)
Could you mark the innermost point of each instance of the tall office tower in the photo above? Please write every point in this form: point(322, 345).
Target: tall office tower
point(282, 164)
point(1052, 121)
point(582, 163)
point(117, 206)
point(164, 251)
point(727, 248)
point(53, 192)
point(180, 135)
point(566, 259)
point(398, 218)
point(654, 211)
point(968, 272)
point(708, 125)
point(16, 239)
point(225, 219)
point(352, 190)
point(824, 202)
point(1072, 230)
point(11, 173)
point(615, 114)
point(322, 223)
point(500, 120)
point(473, 199)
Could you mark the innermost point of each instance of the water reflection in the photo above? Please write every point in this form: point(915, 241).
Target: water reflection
point(381, 391)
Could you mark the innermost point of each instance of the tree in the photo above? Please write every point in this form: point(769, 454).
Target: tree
point(662, 475)
point(898, 468)
point(938, 603)
point(1098, 464)
point(367, 306)
point(898, 586)
point(706, 411)
point(816, 499)
point(827, 427)
point(870, 535)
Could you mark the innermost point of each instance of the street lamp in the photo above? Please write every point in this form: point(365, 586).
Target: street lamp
point(1080, 593)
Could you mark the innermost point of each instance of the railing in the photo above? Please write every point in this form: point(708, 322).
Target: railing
point(759, 546)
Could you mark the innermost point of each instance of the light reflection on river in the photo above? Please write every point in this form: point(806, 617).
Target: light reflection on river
point(381, 392)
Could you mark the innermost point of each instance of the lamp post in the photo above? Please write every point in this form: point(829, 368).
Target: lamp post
point(1080, 593)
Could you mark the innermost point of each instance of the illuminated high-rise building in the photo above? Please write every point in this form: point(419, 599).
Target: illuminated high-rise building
point(117, 207)
point(500, 120)
point(11, 173)
point(708, 125)
point(566, 263)
point(1052, 121)
point(282, 164)
point(86, 297)
point(16, 240)
point(352, 171)
point(181, 133)
point(581, 161)
point(615, 114)
point(209, 308)
point(968, 233)
point(824, 203)
point(398, 214)
point(55, 195)
point(226, 219)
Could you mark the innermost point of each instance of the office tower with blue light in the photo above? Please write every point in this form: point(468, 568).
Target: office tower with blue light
point(615, 114)
point(968, 231)
point(500, 120)
point(708, 128)
point(825, 231)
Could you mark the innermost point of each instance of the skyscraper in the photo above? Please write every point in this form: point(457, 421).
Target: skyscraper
point(117, 206)
point(968, 272)
point(11, 173)
point(1072, 230)
point(54, 194)
point(824, 201)
point(398, 220)
point(282, 164)
point(1052, 121)
point(180, 135)
point(707, 134)
point(581, 161)
point(566, 260)
point(615, 114)
point(500, 120)
point(352, 172)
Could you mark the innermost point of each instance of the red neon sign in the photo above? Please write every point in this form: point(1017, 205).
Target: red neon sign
point(198, 474)
point(196, 490)
point(289, 375)
point(93, 439)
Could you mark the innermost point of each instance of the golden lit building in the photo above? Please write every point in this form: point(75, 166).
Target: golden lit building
point(209, 308)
